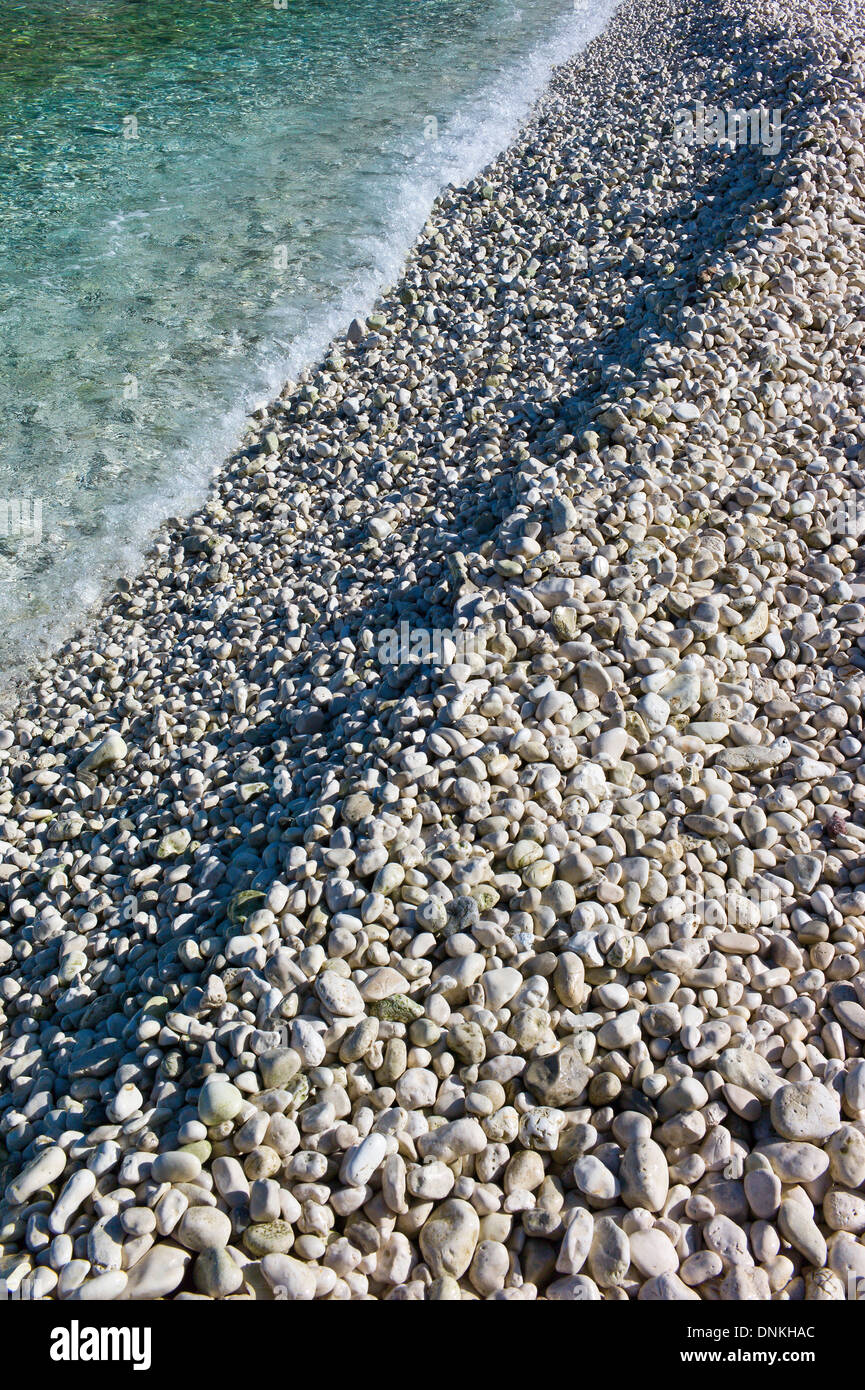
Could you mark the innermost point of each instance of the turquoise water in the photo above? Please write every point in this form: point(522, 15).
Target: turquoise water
point(193, 198)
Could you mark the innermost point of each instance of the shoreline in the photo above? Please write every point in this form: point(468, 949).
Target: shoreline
point(483, 126)
point(606, 427)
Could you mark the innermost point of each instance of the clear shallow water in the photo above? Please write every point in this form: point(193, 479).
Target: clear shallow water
point(194, 196)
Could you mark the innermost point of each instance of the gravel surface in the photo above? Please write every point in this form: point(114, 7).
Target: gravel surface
point(439, 873)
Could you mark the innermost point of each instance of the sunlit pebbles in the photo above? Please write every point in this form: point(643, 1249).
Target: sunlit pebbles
point(535, 974)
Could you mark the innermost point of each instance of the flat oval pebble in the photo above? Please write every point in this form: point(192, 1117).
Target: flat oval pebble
point(158, 1273)
point(289, 1279)
point(339, 995)
point(268, 1238)
point(219, 1101)
point(448, 1238)
point(805, 1110)
point(204, 1228)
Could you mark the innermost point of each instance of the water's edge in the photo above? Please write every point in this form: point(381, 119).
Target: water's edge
point(485, 133)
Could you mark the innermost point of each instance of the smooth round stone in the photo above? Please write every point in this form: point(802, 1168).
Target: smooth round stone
point(158, 1273)
point(742, 1102)
point(41, 1283)
point(699, 1207)
point(854, 1090)
point(569, 979)
point(727, 1239)
point(356, 807)
point(417, 1088)
point(137, 1221)
point(735, 943)
point(594, 1179)
point(278, 1066)
point(644, 1176)
point(667, 1288)
point(654, 711)
point(176, 1166)
point(40, 1172)
point(687, 1094)
point(763, 1191)
point(169, 1210)
point(621, 1031)
point(851, 1016)
point(524, 1172)
point(609, 747)
point(574, 1288)
point(128, 1101)
point(339, 996)
point(268, 1238)
point(576, 1243)
point(805, 1110)
point(231, 1181)
point(362, 1160)
point(796, 1162)
point(454, 1140)
point(802, 1231)
point(111, 749)
point(432, 914)
point(697, 1268)
point(844, 1211)
point(846, 1151)
point(204, 1228)
point(359, 1040)
point(609, 1254)
point(560, 897)
point(448, 1238)
point(500, 986)
point(489, 1267)
point(264, 1201)
point(652, 1253)
point(630, 1125)
point(219, 1101)
point(200, 1149)
point(765, 1241)
point(612, 996)
point(289, 1279)
point(381, 984)
point(445, 1289)
point(104, 1288)
point(431, 1182)
point(216, 1274)
point(750, 1071)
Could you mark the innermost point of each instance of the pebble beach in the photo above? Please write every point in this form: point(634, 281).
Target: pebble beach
point(438, 873)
